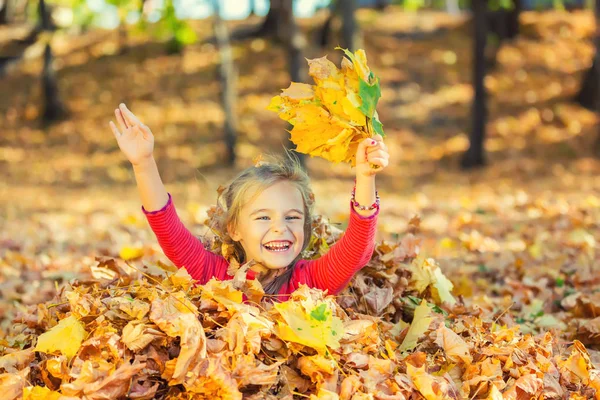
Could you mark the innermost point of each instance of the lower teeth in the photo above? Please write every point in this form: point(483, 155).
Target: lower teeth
point(278, 249)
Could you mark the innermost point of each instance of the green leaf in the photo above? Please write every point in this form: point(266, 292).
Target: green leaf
point(320, 313)
point(377, 125)
point(369, 94)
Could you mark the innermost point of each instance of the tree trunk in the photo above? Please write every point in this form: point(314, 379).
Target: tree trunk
point(350, 38)
point(382, 4)
point(228, 78)
point(588, 95)
point(54, 108)
point(295, 43)
point(512, 20)
point(3, 12)
point(595, 72)
point(269, 26)
point(44, 15)
point(252, 7)
point(474, 156)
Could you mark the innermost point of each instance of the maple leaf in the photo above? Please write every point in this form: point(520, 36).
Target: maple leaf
point(54, 339)
point(313, 326)
point(331, 117)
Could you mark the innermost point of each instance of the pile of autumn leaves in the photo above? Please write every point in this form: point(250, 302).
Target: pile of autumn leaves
point(396, 333)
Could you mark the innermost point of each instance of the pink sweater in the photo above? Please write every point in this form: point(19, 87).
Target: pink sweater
point(331, 272)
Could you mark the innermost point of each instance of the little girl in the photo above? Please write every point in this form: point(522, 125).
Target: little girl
point(267, 218)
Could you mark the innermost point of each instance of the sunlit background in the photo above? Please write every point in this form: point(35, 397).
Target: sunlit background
point(500, 166)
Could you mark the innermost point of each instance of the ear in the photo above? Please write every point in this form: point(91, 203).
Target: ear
point(233, 233)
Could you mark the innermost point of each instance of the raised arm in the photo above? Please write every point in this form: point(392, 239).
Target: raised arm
point(335, 269)
point(136, 141)
point(179, 245)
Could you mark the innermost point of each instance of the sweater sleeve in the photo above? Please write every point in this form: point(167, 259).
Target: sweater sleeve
point(353, 251)
point(183, 248)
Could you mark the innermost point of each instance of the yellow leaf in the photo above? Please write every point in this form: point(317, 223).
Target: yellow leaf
point(328, 117)
point(423, 382)
point(418, 327)
point(40, 393)
point(299, 91)
point(425, 273)
point(223, 292)
point(314, 327)
point(581, 237)
point(131, 253)
point(66, 337)
point(494, 394)
point(325, 394)
point(454, 346)
point(443, 286)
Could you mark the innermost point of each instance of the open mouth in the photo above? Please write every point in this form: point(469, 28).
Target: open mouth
point(279, 246)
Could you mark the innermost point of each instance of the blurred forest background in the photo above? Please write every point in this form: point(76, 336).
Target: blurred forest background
point(490, 109)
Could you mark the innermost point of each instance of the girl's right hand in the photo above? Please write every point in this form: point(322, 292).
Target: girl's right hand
point(134, 138)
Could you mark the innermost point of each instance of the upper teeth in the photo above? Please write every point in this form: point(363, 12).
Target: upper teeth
point(278, 245)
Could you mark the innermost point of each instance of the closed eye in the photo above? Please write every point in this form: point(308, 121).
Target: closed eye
point(292, 217)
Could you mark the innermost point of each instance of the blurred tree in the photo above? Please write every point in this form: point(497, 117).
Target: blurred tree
point(228, 77)
point(474, 156)
point(502, 19)
point(279, 25)
point(54, 108)
point(350, 34)
point(291, 36)
point(381, 4)
point(3, 12)
point(589, 93)
point(252, 7)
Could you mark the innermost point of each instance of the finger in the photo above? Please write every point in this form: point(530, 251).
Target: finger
point(129, 116)
point(381, 162)
point(378, 138)
point(114, 129)
point(375, 149)
point(146, 132)
point(121, 120)
point(378, 154)
point(361, 151)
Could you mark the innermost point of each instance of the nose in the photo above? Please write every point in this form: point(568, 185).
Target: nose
point(279, 226)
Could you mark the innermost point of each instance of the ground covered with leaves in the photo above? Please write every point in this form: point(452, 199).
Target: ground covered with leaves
point(512, 249)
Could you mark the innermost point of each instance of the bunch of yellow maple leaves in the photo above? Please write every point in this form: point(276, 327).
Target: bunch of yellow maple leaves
point(141, 336)
point(331, 117)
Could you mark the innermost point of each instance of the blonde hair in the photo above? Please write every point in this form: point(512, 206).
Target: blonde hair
point(254, 180)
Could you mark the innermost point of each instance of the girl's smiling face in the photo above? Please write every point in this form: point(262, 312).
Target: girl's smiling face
point(270, 227)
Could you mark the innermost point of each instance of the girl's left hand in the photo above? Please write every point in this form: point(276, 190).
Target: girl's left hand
point(371, 152)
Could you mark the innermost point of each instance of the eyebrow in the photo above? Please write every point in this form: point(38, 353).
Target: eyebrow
point(267, 210)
